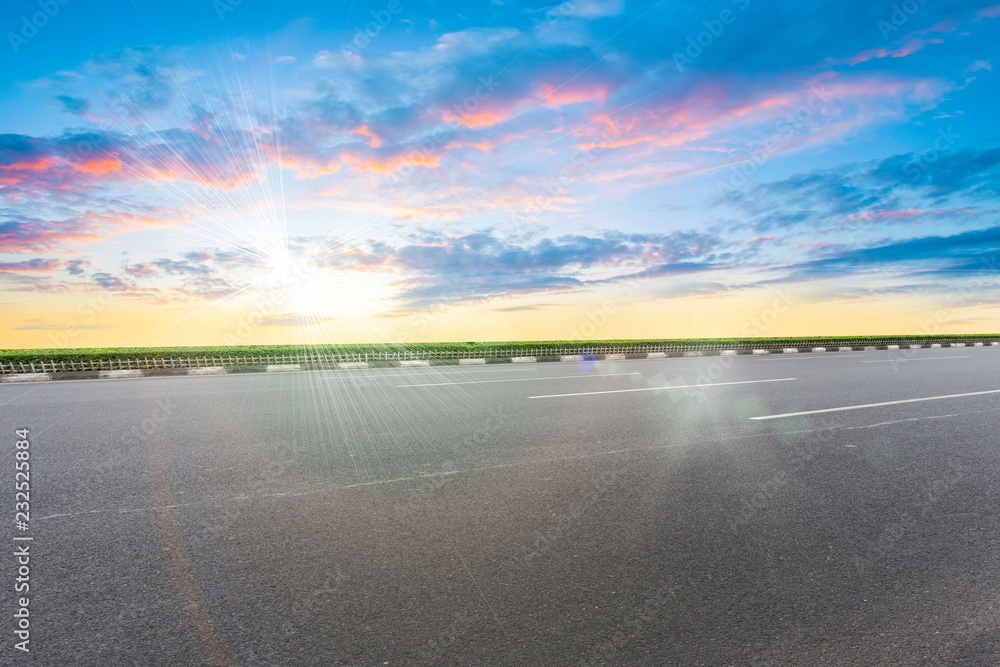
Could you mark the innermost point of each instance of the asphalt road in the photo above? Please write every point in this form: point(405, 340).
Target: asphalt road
point(546, 514)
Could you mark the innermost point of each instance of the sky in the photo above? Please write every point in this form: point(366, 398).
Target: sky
point(252, 172)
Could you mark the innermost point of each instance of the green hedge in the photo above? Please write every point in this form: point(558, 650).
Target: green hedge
point(109, 353)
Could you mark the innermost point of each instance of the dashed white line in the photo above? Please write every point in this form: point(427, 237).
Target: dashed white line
point(665, 388)
point(884, 361)
point(555, 377)
point(876, 405)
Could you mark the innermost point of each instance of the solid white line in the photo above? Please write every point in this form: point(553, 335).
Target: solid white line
point(884, 361)
point(557, 377)
point(678, 386)
point(876, 405)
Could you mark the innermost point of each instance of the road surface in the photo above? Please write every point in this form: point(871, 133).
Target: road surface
point(617, 513)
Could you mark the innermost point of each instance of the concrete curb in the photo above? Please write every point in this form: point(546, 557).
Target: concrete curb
point(425, 363)
point(283, 368)
point(25, 377)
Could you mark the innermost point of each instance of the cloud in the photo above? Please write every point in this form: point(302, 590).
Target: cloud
point(194, 265)
point(31, 235)
point(518, 309)
point(76, 267)
point(61, 327)
point(37, 265)
point(32, 166)
point(909, 48)
point(480, 266)
point(588, 9)
point(111, 283)
point(73, 105)
point(955, 256)
point(898, 189)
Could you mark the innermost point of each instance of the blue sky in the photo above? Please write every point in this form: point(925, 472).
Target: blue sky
point(211, 172)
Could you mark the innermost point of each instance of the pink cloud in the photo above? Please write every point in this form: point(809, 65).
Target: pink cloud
point(485, 146)
point(989, 12)
point(907, 49)
point(888, 214)
point(46, 236)
point(37, 265)
point(556, 97)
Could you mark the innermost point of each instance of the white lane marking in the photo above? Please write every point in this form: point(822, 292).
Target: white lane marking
point(804, 356)
point(876, 405)
point(401, 479)
point(884, 361)
point(555, 377)
point(665, 388)
point(900, 421)
point(22, 394)
point(513, 464)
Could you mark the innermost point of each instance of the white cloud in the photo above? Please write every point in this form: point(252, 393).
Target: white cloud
point(588, 9)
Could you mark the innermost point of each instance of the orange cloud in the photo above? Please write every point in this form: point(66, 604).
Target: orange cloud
point(486, 146)
point(303, 166)
point(616, 143)
point(374, 140)
point(100, 165)
point(394, 163)
point(557, 97)
point(474, 119)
